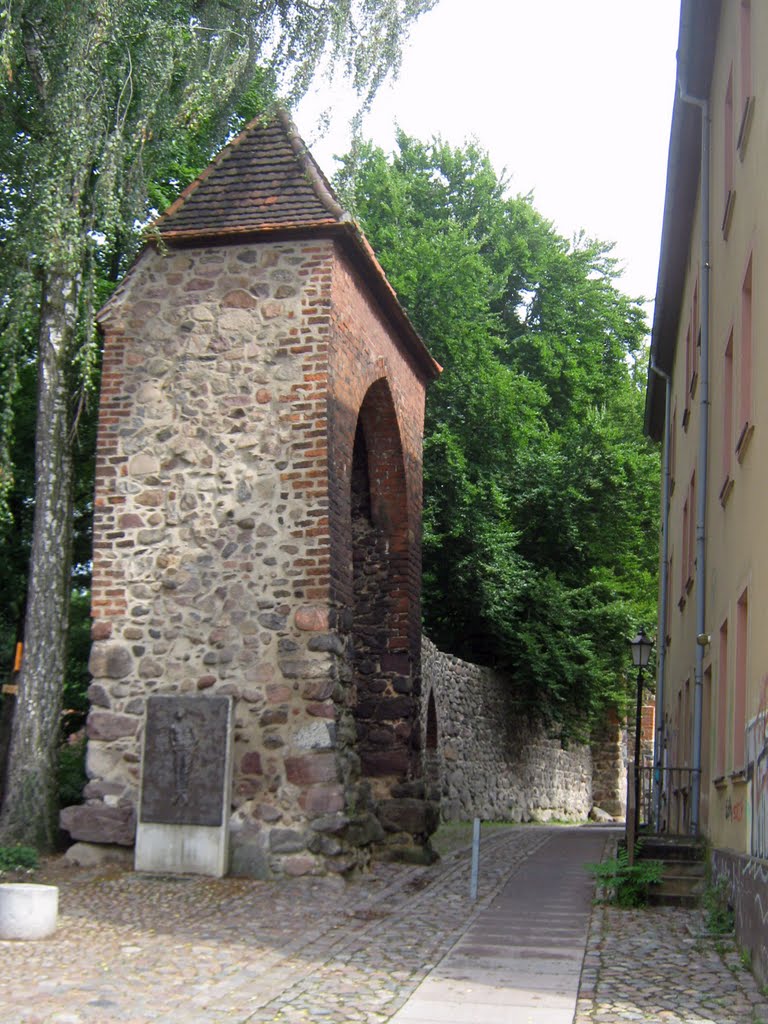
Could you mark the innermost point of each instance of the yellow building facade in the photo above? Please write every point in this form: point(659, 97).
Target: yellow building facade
point(705, 402)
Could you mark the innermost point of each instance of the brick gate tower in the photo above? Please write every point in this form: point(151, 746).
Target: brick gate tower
point(258, 517)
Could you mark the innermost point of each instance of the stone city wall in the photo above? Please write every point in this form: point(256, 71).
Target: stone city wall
point(484, 760)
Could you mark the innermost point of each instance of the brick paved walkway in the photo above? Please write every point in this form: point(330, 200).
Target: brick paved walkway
point(132, 949)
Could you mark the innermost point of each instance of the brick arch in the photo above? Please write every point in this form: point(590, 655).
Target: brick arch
point(385, 598)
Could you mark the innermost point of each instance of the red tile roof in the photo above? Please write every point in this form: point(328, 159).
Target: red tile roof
point(265, 179)
point(266, 182)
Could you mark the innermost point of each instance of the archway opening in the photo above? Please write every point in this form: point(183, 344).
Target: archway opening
point(385, 600)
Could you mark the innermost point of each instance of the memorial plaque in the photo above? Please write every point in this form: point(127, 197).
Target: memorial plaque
point(184, 770)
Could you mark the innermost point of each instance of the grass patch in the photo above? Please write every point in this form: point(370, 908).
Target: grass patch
point(18, 858)
point(456, 835)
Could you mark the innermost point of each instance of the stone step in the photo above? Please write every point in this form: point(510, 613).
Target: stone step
point(663, 899)
point(684, 869)
point(669, 848)
point(682, 884)
point(692, 869)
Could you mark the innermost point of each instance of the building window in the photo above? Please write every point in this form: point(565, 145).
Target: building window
point(740, 683)
point(691, 531)
point(722, 701)
point(672, 450)
point(689, 366)
point(727, 422)
point(728, 148)
point(747, 97)
point(695, 336)
point(745, 367)
point(684, 554)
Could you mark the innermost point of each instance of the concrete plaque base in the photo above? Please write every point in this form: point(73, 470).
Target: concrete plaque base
point(182, 849)
point(186, 785)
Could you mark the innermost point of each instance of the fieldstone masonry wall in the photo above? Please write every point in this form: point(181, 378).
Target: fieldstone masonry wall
point(486, 762)
point(235, 381)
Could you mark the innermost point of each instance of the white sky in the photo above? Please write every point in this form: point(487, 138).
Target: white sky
point(572, 97)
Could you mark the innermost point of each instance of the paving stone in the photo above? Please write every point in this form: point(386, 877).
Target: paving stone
point(136, 949)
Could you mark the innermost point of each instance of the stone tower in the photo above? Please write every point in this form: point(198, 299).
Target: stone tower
point(258, 516)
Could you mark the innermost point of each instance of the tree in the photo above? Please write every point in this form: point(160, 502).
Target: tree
point(540, 491)
point(94, 99)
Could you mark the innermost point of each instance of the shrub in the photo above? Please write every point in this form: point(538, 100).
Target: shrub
point(625, 884)
point(718, 914)
point(17, 858)
point(72, 777)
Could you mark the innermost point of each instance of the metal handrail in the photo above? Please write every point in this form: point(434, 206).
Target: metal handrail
point(676, 784)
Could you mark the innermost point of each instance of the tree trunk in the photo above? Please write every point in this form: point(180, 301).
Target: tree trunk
point(30, 806)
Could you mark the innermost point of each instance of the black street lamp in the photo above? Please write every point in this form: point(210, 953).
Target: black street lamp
point(641, 653)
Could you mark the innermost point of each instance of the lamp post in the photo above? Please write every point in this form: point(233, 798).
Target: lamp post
point(641, 653)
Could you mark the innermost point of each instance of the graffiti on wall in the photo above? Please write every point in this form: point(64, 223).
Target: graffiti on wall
point(757, 768)
point(734, 811)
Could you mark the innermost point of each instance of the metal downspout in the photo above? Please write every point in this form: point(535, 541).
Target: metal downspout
point(658, 745)
point(703, 460)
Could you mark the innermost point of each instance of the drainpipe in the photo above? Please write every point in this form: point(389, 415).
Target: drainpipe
point(701, 476)
point(658, 747)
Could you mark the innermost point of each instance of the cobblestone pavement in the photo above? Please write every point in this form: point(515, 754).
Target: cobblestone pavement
point(135, 949)
point(658, 966)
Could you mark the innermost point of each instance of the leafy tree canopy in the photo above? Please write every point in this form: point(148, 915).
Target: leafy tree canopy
point(540, 490)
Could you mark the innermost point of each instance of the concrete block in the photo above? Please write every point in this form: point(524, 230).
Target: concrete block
point(27, 910)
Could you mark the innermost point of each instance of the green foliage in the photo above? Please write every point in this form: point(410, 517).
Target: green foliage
point(17, 858)
point(541, 494)
point(624, 884)
point(718, 913)
point(72, 777)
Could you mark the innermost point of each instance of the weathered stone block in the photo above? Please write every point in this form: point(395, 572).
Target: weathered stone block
point(328, 642)
point(107, 725)
point(326, 846)
point(312, 618)
point(250, 763)
point(315, 736)
point(322, 799)
point(98, 695)
point(249, 857)
point(385, 762)
point(364, 830)
point(333, 823)
point(101, 630)
point(326, 709)
point(299, 864)
point(94, 823)
point(311, 768)
point(317, 689)
point(111, 661)
point(286, 840)
point(407, 815)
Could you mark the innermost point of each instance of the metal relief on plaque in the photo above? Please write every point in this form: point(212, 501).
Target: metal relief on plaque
point(184, 766)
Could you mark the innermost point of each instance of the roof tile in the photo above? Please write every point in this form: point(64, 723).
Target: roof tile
point(264, 178)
